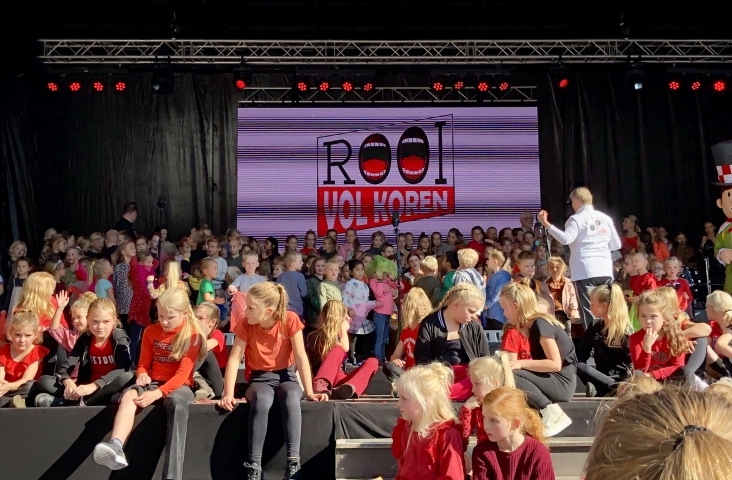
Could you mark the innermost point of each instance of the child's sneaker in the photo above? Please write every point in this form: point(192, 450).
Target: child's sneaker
point(554, 419)
point(254, 471)
point(344, 392)
point(293, 469)
point(110, 455)
point(18, 402)
point(202, 390)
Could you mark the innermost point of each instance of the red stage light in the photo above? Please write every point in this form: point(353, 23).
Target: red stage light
point(98, 86)
point(75, 86)
point(438, 86)
point(324, 85)
point(719, 86)
point(696, 85)
point(240, 84)
point(120, 85)
point(503, 86)
point(674, 85)
point(563, 83)
point(367, 87)
point(302, 86)
point(458, 85)
point(347, 86)
point(483, 86)
point(52, 86)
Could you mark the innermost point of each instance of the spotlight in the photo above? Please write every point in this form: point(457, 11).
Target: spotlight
point(98, 86)
point(242, 79)
point(163, 82)
point(120, 86)
point(559, 76)
point(563, 83)
point(458, 84)
point(696, 85)
point(674, 85)
point(52, 86)
point(483, 85)
point(324, 85)
point(719, 85)
point(636, 79)
point(347, 85)
point(504, 85)
point(302, 85)
point(368, 86)
point(75, 85)
point(438, 85)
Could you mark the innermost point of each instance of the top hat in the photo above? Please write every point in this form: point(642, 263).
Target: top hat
point(722, 153)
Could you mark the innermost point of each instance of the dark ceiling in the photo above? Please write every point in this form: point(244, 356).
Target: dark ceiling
point(333, 19)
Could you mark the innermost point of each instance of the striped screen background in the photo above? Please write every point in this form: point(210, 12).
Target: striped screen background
point(490, 157)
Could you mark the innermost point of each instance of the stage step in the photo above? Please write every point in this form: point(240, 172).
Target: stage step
point(371, 457)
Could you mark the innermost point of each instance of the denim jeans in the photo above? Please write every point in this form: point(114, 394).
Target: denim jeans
point(381, 322)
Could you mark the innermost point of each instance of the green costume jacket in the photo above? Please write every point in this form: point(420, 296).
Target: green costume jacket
point(724, 240)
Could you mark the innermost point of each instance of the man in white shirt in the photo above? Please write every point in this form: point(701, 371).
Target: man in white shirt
point(591, 237)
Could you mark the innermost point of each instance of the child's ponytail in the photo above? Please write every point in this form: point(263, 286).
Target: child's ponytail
point(281, 311)
point(271, 295)
point(495, 370)
point(721, 301)
point(510, 403)
point(618, 326)
point(191, 333)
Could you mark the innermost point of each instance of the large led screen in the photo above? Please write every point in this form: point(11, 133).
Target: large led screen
point(441, 167)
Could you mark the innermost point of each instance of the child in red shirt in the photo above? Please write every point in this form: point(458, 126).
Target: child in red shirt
point(270, 339)
point(659, 349)
point(672, 268)
point(719, 312)
point(168, 354)
point(426, 440)
point(514, 448)
point(416, 306)
point(142, 266)
point(209, 378)
point(98, 365)
point(20, 359)
point(641, 280)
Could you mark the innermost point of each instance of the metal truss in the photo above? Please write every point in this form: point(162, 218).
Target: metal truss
point(343, 53)
point(381, 95)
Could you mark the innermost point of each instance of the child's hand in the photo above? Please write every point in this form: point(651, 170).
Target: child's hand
point(84, 390)
point(516, 364)
point(232, 289)
point(4, 389)
point(227, 403)
point(399, 363)
point(150, 279)
point(62, 298)
point(649, 339)
point(691, 345)
point(471, 403)
point(143, 380)
point(379, 304)
point(219, 301)
point(633, 299)
point(148, 397)
point(318, 397)
point(69, 390)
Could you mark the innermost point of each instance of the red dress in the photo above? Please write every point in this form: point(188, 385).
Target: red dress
point(141, 301)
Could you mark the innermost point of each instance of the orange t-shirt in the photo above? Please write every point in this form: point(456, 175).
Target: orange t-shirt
point(155, 360)
point(269, 350)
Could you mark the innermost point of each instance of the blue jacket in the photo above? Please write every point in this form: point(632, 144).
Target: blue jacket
point(492, 293)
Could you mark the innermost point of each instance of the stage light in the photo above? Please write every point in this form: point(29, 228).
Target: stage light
point(302, 85)
point(696, 85)
point(324, 85)
point(52, 85)
point(163, 82)
point(504, 85)
point(502, 82)
point(347, 85)
point(560, 76)
point(636, 79)
point(483, 85)
point(563, 83)
point(719, 85)
point(438, 85)
point(75, 85)
point(367, 86)
point(120, 86)
point(242, 79)
point(458, 84)
point(98, 86)
point(674, 85)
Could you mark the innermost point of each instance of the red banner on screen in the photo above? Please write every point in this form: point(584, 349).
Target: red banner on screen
point(366, 207)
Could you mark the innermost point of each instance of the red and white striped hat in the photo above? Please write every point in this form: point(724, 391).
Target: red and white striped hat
point(722, 153)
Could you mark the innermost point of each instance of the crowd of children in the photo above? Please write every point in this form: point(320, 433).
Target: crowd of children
point(136, 321)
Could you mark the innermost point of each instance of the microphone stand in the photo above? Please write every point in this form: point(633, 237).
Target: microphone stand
point(395, 223)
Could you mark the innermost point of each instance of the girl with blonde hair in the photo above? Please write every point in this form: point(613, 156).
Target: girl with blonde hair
point(172, 275)
point(719, 312)
point(170, 349)
point(561, 292)
point(453, 335)
point(486, 374)
point(99, 360)
point(416, 307)
point(426, 439)
point(608, 338)
point(514, 445)
point(17, 250)
point(327, 347)
point(550, 375)
point(20, 360)
point(670, 434)
point(270, 340)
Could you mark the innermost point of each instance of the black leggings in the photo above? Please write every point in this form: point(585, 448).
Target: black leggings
point(392, 371)
point(209, 370)
point(56, 356)
point(543, 389)
point(103, 396)
point(263, 387)
point(603, 383)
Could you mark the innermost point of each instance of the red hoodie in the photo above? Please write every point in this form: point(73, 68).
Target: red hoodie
point(439, 456)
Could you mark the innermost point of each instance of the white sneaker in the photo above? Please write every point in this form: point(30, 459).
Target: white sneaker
point(110, 455)
point(554, 419)
point(699, 384)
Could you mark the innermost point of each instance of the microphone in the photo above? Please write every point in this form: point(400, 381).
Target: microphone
point(162, 202)
point(395, 218)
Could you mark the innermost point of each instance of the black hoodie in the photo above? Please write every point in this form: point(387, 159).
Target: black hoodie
point(79, 358)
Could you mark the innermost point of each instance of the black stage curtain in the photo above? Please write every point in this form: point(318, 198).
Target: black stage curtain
point(72, 161)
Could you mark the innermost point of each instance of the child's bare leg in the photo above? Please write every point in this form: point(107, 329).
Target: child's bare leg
point(125, 418)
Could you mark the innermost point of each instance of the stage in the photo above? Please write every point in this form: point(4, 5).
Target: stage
point(57, 443)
